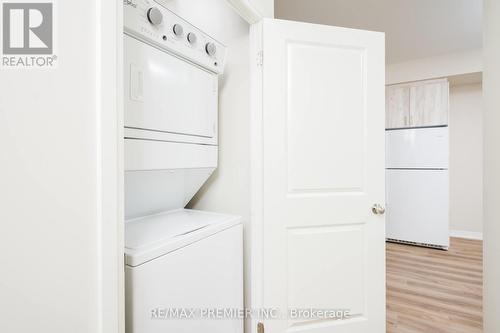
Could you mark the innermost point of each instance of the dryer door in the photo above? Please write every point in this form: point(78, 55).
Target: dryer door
point(166, 94)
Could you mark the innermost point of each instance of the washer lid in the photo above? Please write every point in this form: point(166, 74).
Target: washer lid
point(152, 236)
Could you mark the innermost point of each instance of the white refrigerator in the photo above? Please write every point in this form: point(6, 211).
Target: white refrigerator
point(417, 178)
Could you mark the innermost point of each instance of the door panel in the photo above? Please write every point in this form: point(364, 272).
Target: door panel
point(310, 255)
point(323, 169)
point(397, 107)
point(311, 106)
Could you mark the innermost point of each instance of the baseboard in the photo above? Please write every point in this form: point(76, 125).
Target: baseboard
point(466, 234)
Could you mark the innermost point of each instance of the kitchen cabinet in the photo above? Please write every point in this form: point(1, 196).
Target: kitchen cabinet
point(429, 104)
point(397, 107)
point(418, 104)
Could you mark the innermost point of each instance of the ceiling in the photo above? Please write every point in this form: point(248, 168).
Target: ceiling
point(414, 28)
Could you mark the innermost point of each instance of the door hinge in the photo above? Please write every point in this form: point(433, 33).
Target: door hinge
point(260, 58)
point(260, 328)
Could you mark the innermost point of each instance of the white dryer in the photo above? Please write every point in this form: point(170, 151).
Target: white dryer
point(171, 75)
point(180, 277)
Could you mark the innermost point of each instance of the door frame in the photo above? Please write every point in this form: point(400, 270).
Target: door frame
point(256, 260)
point(110, 279)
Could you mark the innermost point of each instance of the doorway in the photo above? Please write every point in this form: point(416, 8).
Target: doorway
point(434, 277)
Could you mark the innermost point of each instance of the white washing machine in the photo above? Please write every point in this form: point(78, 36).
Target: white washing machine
point(180, 277)
point(184, 268)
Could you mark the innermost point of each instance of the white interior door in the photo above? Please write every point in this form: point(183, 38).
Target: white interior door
point(319, 155)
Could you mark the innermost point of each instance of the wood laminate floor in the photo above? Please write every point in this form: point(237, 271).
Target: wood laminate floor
point(435, 291)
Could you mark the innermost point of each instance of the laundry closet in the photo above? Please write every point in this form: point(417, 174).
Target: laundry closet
point(176, 259)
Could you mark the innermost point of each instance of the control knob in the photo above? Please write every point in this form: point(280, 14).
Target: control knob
point(191, 37)
point(178, 30)
point(154, 15)
point(210, 48)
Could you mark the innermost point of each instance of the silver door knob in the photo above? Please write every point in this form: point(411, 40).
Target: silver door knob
point(378, 209)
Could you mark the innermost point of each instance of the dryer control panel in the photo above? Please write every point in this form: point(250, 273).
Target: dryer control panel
point(155, 24)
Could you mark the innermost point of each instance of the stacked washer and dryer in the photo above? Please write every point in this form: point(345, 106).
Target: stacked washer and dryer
point(179, 262)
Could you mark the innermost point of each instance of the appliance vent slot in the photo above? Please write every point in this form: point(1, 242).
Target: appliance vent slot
point(439, 247)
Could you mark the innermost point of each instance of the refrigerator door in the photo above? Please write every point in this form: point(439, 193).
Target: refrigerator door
point(417, 148)
point(418, 206)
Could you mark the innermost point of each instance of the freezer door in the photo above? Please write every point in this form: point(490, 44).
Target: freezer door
point(417, 148)
point(418, 206)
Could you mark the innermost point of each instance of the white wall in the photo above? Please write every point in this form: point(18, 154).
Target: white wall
point(435, 67)
point(55, 152)
point(466, 159)
point(491, 88)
